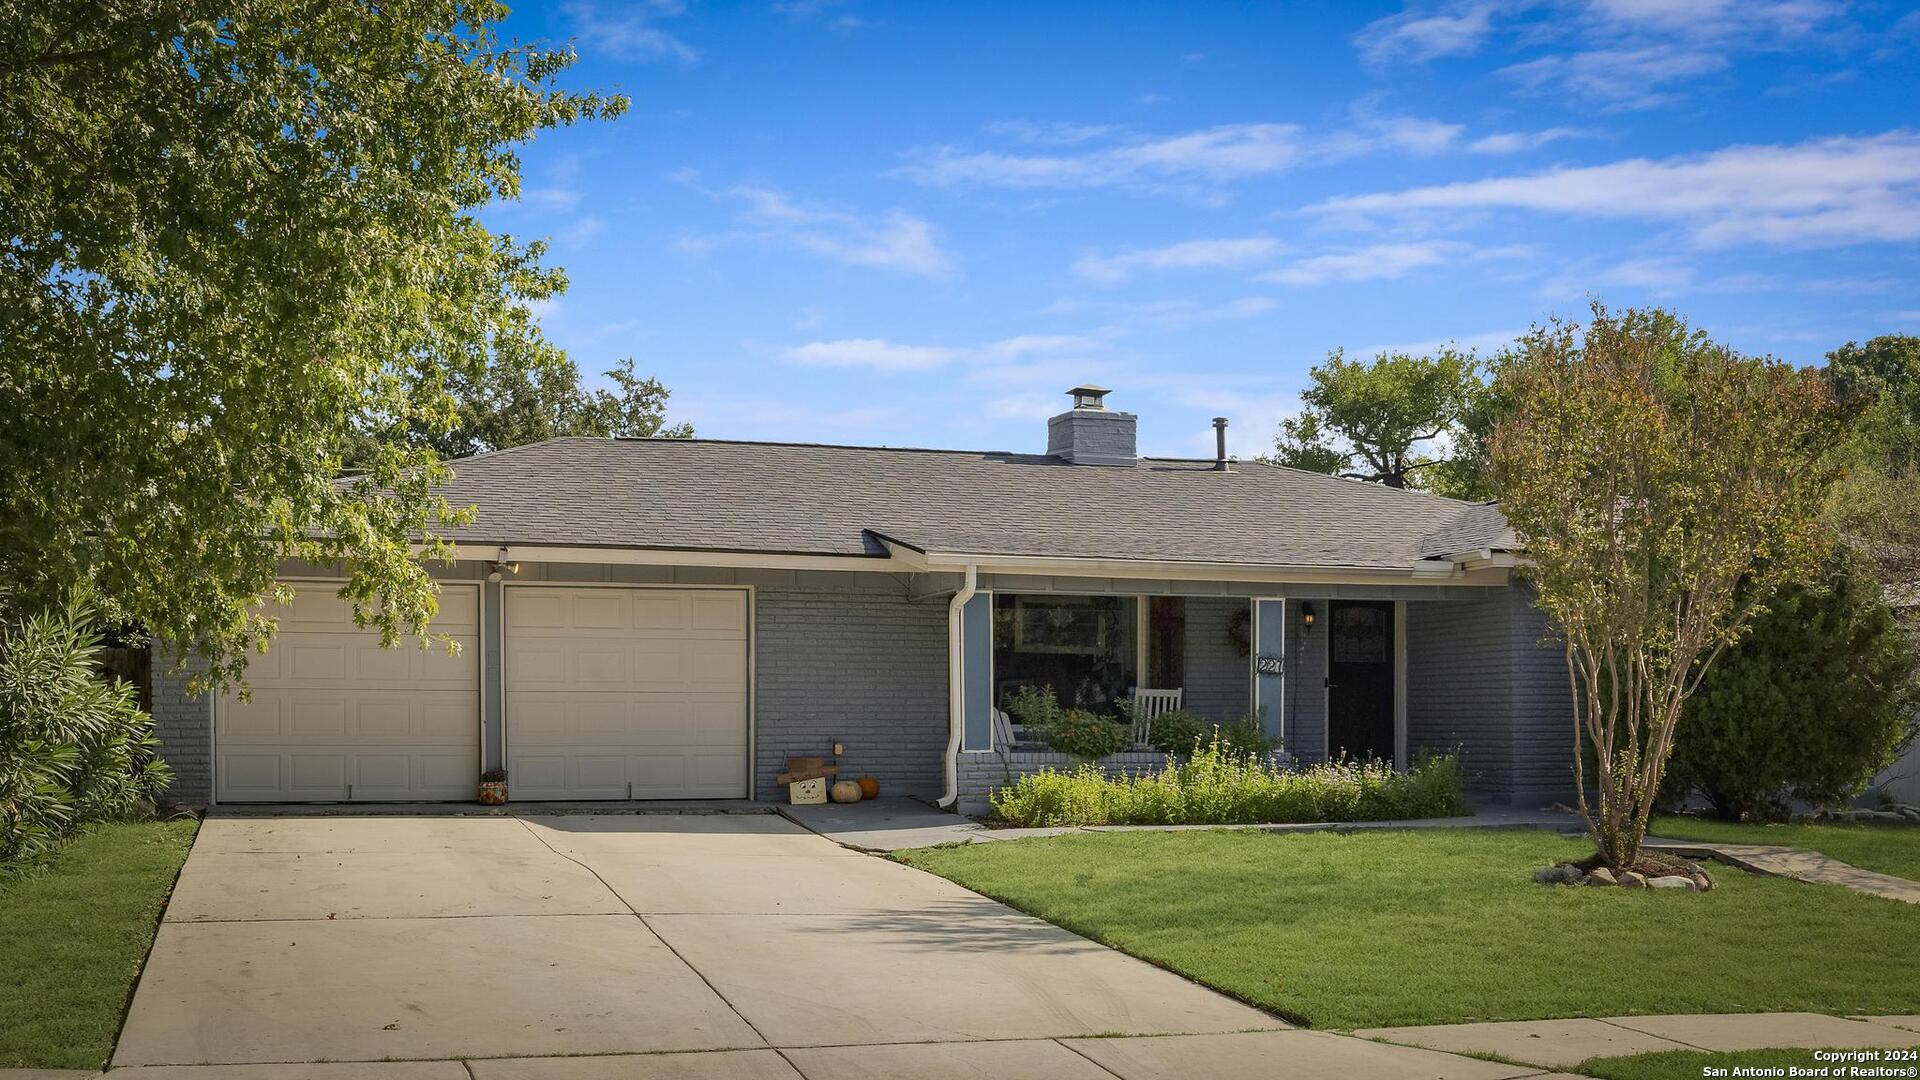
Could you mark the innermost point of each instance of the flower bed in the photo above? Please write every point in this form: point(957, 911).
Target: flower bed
point(1217, 786)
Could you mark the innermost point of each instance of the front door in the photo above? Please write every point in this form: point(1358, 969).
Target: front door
point(1360, 680)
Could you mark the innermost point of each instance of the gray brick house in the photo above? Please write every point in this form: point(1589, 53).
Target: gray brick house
point(673, 618)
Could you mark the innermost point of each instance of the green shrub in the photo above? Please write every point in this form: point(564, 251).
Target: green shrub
point(1079, 733)
point(1219, 785)
point(1815, 700)
point(1074, 732)
point(74, 747)
point(1182, 732)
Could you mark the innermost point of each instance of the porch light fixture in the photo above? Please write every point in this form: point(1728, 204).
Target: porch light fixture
point(500, 566)
point(1306, 614)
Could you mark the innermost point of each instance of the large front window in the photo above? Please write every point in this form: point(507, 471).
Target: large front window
point(1086, 648)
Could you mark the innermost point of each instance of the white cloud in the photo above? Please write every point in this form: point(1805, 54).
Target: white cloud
point(881, 355)
point(1052, 133)
point(890, 240)
point(1427, 35)
point(1213, 155)
point(1629, 78)
point(1841, 190)
point(1377, 262)
point(1622, 53)
point(873, 353)
point(1188, 255)
point(630, 32)
point(551, 197)
point(1068, 156)
point(1178, 314)
point(583, 230)
point(1397, 134)
point(1030, 344)
point(1514, 142)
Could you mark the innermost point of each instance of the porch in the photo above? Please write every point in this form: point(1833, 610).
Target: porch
point(1381, 672)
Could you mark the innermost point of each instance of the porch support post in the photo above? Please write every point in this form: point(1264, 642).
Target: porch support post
point(976, 672)
point(1268, 660)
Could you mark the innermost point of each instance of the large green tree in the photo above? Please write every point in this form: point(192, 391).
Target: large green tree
point(1665, 489)
point(233, 235)
point(524, 397)
point(1874, 505)
point(1384, 420)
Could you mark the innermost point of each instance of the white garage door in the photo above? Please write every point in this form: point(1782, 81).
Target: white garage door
point(334, 716)
point(616, 693)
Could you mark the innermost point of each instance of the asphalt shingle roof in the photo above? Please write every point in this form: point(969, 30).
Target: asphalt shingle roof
point(704, 494)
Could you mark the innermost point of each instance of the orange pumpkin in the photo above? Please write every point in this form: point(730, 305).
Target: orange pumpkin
point(869, 787)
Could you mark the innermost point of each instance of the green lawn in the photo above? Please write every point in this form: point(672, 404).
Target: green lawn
point(1692, 1064)
point(1887, 848)
point(1429, 926)
point(72, 940)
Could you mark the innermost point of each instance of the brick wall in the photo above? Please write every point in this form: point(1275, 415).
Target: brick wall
point(1306, 686)
point(1543, 741)
point(866, 668)
point(980, 774)
point(1217, 679)
point(184, 725)
point(1480, 680)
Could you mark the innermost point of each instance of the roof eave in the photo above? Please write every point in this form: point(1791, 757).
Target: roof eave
point(1422, 571)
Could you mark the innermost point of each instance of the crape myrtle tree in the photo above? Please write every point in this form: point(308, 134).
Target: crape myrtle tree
point(235, 236)
point(1383, 420)
point(1665, 487)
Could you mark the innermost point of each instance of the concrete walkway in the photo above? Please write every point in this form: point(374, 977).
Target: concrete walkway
point(1559, 1044)
point(594, 947)
point(1793, 863)
point(898, 824)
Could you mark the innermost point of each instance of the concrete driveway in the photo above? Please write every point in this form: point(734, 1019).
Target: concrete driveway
point(717, 945)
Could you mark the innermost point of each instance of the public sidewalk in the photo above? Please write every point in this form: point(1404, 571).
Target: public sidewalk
point(1560, 1044)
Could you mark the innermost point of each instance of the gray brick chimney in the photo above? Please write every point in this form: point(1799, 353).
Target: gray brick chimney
point(1090, 433)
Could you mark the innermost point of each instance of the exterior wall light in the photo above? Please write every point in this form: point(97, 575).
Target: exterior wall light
point(1306, 614)
point(502, 565)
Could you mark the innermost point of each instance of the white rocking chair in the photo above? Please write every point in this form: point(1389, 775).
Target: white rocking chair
point(1148, 706)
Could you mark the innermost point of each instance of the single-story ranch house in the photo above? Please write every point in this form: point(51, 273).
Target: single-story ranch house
point(671, 619)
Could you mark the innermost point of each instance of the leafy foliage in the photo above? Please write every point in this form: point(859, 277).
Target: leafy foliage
point(1181, 732)
point(1816, 699)
point(74, 747)
point(1873, 506)
point(1378, 420)
point(1222, 785)
point(1665, 488)
point(235, 237)
point(523, 399)
point(1075, 732)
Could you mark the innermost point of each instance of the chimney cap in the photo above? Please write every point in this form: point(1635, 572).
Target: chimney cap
point(1089, 396)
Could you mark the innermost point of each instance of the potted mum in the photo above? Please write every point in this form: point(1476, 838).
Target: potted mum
point(493, 787)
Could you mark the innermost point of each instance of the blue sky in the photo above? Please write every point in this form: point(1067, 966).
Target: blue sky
point(918, 224)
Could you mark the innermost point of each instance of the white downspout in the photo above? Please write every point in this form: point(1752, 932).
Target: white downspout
point(956, 680)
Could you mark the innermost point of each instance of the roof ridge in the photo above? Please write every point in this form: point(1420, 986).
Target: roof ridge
point(817, 445)
point(1416, 492)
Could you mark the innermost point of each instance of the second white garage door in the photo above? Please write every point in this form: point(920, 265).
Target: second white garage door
point(616, 693)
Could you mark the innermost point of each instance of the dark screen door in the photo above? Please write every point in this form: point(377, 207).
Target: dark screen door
point(1360, 680)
